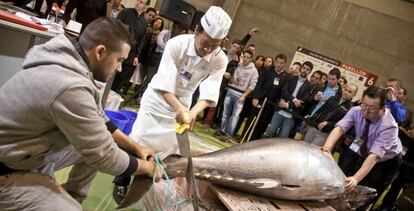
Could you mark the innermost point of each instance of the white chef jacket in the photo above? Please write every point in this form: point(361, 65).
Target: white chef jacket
point(154, 126)
point(180, 56)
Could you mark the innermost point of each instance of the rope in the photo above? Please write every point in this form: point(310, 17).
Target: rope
point(170, 192)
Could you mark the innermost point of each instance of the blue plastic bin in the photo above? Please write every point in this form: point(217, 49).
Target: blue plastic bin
point(132, 116)
point(118, 118)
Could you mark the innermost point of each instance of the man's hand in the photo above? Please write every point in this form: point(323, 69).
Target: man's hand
point(297, 103)
point(255, 102)
point(144, 153)
point(283, 104)
point(327, 152)
point(253, 31)
point(351, 182)
point(318, 96)
point(391, 93)
point(135, 62)
point(411, 133)
point(241, 99)
point(183, 117)
point(227, 75)
point(192, 119)
point(152, 169)
point(321, 125)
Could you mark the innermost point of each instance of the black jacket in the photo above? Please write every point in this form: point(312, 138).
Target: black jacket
point(320, 88)
point(138, 27)
point(266, 85)
point(87, 11)
point(303, 93)
point(331, 112)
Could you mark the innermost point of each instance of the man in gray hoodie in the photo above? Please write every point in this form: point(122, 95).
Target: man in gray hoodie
point(241, 84)
point(51, 118)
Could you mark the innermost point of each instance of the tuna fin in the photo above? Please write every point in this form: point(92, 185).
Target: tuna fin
point(354, 200)
point(204, 174)
point(264, 183)
point(137, 190)
point(175, 166)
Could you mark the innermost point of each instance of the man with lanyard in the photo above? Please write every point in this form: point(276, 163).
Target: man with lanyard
point(188, 61)
point(375, 155)
point(47, 125)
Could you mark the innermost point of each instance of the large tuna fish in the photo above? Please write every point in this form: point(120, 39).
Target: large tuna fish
point(275, 168)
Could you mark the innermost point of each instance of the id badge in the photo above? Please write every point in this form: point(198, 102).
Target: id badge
point(276, 82)
point(356, 145)
point(184, 78)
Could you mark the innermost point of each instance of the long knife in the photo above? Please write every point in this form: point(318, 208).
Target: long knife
point(184, 146)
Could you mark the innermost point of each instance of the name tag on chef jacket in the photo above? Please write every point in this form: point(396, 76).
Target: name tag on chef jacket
point(184, 78)
point(276, 82)
point(356, 145)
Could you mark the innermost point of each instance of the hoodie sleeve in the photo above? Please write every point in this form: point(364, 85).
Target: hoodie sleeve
point(75, 113)
point(253, 80)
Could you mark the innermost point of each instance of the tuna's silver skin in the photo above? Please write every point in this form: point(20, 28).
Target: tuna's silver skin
point(276, 168)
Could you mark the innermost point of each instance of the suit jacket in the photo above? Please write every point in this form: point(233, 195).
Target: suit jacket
point(331, 112)
point(137, 26)
point(303, 93)
point(321, 88)
point(267, 88)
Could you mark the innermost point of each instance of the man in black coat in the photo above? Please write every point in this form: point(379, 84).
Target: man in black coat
point(268, 86)
point(138, 28)
point(295, 95)
point(324, 120)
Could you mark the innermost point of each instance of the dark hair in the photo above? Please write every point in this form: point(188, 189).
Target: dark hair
point(259, 57)
point(238, 53)
point(273, 62)
point(297, 63)
point(253, 45)
point(309, 64)
point(336, 72)
point(150, 9)
point(376, 92)
point(343, 77)
point(162, 23)
point(110, 32)
point(199, 27)
point(318, 72)
point(249, 52)
point(399, 83)
point(404, 91)
point(237, 41)
point(281, 56)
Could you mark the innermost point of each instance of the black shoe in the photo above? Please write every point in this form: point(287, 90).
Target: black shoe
point(219, 133)
point(119, 193)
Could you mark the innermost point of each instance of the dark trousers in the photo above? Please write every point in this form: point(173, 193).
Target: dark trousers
point(122, 78)
point(219, 107)
point(263, 121)
point(122, 181)
point(380, 175)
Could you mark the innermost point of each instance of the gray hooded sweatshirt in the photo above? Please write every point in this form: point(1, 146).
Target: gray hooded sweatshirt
point(244, 77)
point(51, 104)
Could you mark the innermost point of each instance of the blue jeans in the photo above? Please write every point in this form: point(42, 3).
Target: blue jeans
point(281, 123)
point(231, 111)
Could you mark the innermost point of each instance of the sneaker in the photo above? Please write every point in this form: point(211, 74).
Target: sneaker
point(219, 133)
point(119, 193)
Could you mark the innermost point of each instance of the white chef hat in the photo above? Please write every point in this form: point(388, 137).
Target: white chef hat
point(216, 22)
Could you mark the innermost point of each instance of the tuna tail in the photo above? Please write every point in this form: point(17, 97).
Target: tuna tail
point(361, 196)
point(175, 166)
point(139, 187)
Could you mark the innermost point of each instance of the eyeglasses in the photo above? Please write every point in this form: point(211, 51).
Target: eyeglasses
point(369, 108)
